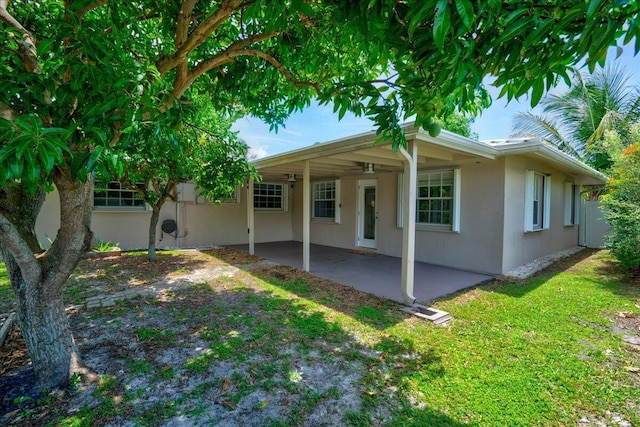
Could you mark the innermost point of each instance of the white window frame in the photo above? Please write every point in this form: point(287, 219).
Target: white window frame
point(572, 204)
point(234, 199)
point(284, 196)
point(455, 211)
point(535, 184)
point(336, 201)
point(141, 206)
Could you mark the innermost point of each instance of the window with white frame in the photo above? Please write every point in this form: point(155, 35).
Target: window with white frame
point(326, 200)
point(437, 200)
point(571, 204)
point(537, 201)
point(434, 204)
point(112, 195)
point(234, 198)
point(269, 196)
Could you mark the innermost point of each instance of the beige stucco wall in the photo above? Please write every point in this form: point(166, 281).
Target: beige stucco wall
point(200, 225)
point(520, 247)
point(477, 247)
point(127, 228)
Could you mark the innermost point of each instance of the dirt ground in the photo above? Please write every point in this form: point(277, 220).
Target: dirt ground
point(150, 359)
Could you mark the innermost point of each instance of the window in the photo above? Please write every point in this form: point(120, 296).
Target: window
point(571, 204)
point(537, 201)
point(326, 200)
point(234, 198)
point(434, 204)
point(111, 195)
point(269, 196)
point(437, 200)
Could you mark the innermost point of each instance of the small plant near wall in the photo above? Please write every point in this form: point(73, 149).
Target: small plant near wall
point(103, 246)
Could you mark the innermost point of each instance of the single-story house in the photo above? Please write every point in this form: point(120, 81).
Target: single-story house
point(482, 206)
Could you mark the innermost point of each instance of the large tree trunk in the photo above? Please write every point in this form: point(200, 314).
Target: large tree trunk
point(38, 281)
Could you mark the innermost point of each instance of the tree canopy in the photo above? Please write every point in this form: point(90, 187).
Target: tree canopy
point(77, 77)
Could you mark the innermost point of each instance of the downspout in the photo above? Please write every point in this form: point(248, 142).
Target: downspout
point(251, 217)
point(409, 221)
point(306, 215)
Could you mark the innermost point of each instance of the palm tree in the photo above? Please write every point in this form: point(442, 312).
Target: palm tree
point(577, 119)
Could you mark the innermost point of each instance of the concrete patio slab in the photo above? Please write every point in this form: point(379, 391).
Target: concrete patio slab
point(369, 271)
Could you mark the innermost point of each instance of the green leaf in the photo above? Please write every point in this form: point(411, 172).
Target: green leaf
point(441, 23)
point(465, 10)
point(94, 157)
point(594, 7)
point(44, 46)
point(515, 30)
point(537, 92)
point(16, 167)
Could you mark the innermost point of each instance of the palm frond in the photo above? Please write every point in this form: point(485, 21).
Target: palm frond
point(542, 126)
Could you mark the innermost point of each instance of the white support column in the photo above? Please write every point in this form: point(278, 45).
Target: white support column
point(409, 221)
point(251, 218)
point(306, 215)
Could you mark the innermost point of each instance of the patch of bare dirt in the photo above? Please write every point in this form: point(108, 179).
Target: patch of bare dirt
point(234, 257)
point(13, 353)
point(226, 353)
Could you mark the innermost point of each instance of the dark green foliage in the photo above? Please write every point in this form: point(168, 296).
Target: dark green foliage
point(623, 208)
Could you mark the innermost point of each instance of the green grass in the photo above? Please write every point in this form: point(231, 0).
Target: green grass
point(6, 294)
point(537, 353)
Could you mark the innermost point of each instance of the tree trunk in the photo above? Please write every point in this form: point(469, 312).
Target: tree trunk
point(45, 328)
point(38, 282)
point(153, 225)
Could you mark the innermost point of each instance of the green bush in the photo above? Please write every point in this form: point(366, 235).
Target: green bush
point(623, 208)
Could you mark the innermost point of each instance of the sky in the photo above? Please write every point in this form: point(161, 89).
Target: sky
point(320, 124)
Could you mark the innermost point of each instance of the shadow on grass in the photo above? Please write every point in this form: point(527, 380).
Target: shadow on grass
point(519, 288)
point(369, 309)
point(265, 336)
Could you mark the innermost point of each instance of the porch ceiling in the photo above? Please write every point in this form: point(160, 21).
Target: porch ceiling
point(353, 161)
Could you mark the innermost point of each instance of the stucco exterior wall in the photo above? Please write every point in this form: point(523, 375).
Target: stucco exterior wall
point(128, 228)
point(477, 247)
point(199, 225)
point(520, 247)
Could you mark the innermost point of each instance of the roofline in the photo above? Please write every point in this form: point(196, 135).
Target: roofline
point(338, 146)
point(541, 147)
point(446, 139)
point(366, 140)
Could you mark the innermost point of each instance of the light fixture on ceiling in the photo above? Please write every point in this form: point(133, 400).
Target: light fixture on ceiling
point(367, 168)
point(292, 179)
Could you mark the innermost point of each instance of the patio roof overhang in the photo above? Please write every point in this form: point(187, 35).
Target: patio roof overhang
point(349, 156)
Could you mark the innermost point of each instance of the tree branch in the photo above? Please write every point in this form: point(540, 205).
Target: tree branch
point(225, 57)
point(281, 68)
point(11, 240)
point(74, 236)
point(90, 7)
point(199, 35)
point(182, 33)
point(27, 46)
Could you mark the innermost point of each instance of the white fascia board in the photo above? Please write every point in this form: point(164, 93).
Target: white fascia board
point(339, 146)
point(538, 147)
point(457, 142)
point(446, 139)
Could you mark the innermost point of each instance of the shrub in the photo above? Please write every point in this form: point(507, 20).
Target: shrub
point(623, 208)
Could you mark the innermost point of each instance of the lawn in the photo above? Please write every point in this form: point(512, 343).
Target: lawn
point(275, 346)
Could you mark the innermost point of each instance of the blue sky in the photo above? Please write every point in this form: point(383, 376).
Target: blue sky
point(320, 124)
